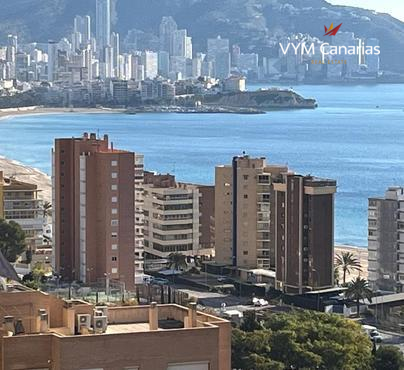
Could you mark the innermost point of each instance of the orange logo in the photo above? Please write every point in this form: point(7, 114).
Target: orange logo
point(331, 31)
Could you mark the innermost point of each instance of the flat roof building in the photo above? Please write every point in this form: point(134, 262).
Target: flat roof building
point(94, 210)
point(304, 233)
point(386, 241)
point(41, 331)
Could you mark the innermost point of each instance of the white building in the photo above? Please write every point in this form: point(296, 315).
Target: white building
point(386, 241)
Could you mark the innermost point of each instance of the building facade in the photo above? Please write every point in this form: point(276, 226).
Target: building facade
point(94, 210)
point(19, 202)
point(243, 225)
point(386, 241)
point(304, 233)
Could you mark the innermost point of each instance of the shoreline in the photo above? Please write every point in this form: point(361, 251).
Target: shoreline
point(32, 111)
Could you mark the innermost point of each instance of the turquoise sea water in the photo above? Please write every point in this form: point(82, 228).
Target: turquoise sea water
point(355, 136)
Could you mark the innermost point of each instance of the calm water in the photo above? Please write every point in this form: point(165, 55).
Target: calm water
point(347, 138)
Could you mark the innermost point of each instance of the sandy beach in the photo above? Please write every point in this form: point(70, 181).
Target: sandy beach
point(361, 254)
point(11, 112)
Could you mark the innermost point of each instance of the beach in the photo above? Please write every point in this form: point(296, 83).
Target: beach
point(12, 112)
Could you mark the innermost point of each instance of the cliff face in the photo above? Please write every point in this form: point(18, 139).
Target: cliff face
point(265, 99)
point(246, 22)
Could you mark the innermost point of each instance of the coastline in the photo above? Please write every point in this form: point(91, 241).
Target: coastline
point(39, 110)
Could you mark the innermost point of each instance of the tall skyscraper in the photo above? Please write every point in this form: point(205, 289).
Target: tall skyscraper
point(304, 233)
point(83, 26)
point(243, 230)
point(167, 29)
point(115, 43)
point(219, 54)
point(94, 210)
point(52, 60)
point(103, 26)
point(386, 241)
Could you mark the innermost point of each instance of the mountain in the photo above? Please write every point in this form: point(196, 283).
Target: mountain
point(247, 22)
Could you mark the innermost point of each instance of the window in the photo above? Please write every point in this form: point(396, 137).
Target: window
point(114, 199)
point(114, 175)
point(114, 235)
point(114, 247)
point(245, 196)
point(114, 187)
point(114, 211)
point(114, 163)
point(114, 259)
point(114, 270)
point(245, 177)
point(114, 222)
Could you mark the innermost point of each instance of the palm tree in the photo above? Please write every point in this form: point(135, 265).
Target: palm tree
point(177, 260)
point(46, 210)
point(358, 289)
point(348, 263)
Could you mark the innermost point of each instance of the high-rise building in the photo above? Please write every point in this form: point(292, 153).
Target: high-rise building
point(150, 63)
point(386, 241)
point(83, 25)
point(219, 54)
point(115, 43)
point(163, 63)
point(94, 210)
point(243, 228)
point(167, 29)
point(304, 232)
point(52, 60)
point(182, 44)
point(103, 26)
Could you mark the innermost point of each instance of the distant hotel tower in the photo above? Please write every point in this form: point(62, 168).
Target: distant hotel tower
point(94, 210)
point(103, 26)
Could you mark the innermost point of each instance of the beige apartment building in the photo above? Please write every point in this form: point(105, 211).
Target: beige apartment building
point(177, 218)
point(94, 210)
point(19, 202)
point(266, 217)
point(40, 331)
point(243, 226)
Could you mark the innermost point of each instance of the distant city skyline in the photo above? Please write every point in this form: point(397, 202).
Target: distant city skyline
point(393, 7)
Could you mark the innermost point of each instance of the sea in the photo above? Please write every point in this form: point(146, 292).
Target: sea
point(355, 136)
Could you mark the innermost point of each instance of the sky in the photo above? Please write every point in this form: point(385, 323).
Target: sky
point(394, 7)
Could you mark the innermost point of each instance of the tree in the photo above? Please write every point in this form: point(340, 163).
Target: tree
point(46, 210)
point(358, 290)
point(302, 340)
point(177, 261)
point(388, 358)
point(348, 263)
point(12, 240)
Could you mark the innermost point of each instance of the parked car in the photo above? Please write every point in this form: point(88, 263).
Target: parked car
point(159, 281)
point(375, 336)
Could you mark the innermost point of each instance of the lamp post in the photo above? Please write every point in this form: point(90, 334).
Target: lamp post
point(107, 285)
point(316, 285)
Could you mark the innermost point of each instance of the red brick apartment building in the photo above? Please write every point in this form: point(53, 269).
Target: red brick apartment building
point(94, 210)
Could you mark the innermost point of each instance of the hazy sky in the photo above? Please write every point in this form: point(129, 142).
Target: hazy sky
point(394, 7)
